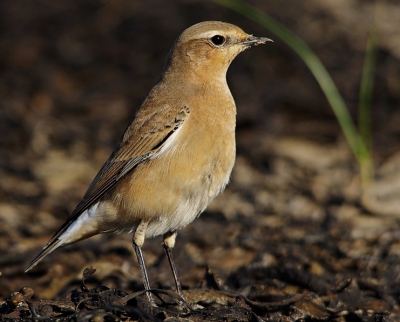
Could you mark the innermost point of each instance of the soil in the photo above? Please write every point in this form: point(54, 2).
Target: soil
point(295, 237)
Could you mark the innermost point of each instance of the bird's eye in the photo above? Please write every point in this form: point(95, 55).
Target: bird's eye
point(218, 40)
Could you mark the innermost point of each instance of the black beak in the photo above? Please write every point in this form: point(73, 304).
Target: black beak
point(254, 41)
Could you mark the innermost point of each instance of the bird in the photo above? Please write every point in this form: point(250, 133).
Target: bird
point(175, 156)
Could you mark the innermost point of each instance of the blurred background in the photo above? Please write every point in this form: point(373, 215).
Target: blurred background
point(72, 74)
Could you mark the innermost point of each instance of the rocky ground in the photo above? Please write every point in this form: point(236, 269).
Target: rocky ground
point(293, 238)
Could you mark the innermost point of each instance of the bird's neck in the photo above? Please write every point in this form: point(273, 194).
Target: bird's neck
point(196, 76)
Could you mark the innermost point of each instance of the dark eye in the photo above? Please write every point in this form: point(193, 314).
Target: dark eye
point(218, 40)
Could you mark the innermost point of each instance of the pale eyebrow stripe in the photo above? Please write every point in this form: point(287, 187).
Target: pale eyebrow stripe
point(208, 34)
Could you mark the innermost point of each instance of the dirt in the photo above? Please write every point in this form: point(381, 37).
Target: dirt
point(295, 237)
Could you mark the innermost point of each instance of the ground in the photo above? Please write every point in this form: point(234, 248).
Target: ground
point(293, 238)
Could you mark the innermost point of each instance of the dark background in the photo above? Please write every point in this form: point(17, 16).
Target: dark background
point(72, 74)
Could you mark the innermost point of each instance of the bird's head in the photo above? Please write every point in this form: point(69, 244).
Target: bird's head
point(208, 48)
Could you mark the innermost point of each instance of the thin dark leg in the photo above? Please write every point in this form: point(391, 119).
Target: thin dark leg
point(173, 269)
point(143, 270)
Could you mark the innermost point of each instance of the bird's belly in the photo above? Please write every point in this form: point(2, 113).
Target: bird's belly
point(171, 190)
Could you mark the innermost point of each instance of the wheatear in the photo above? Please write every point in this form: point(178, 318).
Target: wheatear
point(177, 154)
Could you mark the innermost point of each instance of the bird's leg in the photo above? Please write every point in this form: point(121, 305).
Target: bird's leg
point(169, 243)
point(138, 241)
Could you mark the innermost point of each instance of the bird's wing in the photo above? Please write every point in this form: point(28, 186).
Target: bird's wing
point(141, 141)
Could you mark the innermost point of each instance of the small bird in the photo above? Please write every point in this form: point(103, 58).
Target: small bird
point(175, 156)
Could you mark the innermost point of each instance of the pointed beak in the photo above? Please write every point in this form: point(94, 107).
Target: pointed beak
point(254, 41)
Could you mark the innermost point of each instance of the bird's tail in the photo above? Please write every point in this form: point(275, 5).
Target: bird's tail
point(52, 245)
point(73, 230)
